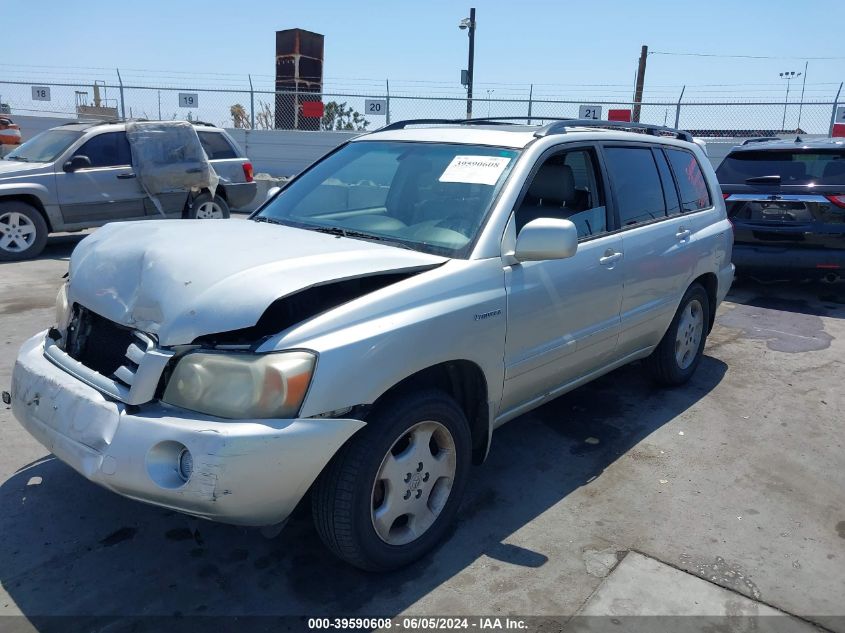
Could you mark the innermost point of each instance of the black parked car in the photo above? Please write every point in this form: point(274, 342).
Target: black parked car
point(786, 200)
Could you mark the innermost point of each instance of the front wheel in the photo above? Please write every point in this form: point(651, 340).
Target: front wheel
point(674, 360)
point(23, 231)
point(390, 494)
point(205, 207)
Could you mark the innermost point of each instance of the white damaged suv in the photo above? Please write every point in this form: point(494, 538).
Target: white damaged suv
point(362, 334)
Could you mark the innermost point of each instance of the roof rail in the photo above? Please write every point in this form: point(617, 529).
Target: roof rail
point(401, 125)
point(560, 127)
point(761, 139)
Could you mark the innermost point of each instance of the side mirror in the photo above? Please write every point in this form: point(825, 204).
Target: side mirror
point(76, 162)
point(272, 191)
point(546, 238)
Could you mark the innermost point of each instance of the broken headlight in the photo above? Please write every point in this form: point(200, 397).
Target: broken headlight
point(231, 385)
point(63, 311)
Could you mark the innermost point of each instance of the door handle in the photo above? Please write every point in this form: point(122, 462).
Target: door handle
point(683, 233)
point(125, 176)
point(193, 170)
point(610, 257)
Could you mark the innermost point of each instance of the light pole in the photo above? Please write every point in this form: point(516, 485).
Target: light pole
point(489, 92)
point(468, 24)
point(789, 75)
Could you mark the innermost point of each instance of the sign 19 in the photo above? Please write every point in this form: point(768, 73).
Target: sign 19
point(188, 100)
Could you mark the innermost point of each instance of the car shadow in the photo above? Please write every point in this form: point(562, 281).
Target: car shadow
point(70, 548)
point(808, 297)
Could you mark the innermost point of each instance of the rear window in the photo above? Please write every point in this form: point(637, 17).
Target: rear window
point(216, 146)
point(691, 183)
point(820, 167)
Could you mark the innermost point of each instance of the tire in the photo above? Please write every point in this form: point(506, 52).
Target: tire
point(23, 231)
point(206, 207)
point(355, 492)
point(674, 360)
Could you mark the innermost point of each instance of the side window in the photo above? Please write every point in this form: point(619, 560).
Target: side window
point(639, 193)
point(670, 193)
point(107, 150)
point(567, 187)
point(691, 183)
point(216, 146)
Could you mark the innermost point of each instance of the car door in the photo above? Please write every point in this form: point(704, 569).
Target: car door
point(107, 190)
point(656, 237)
point(563, 315)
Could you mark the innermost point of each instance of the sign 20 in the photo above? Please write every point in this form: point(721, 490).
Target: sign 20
point(375, 107)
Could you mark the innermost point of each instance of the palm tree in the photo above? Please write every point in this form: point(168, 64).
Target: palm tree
point(239, 116)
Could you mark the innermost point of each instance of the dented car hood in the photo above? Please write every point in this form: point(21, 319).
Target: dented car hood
point(189, 278)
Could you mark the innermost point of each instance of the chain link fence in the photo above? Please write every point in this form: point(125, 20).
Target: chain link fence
point(353, 110)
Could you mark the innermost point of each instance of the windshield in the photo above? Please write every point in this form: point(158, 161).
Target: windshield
point(44, 147)
point(795, 167)
point(432, 197)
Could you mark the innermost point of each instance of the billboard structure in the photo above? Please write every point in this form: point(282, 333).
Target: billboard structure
point(299, 76)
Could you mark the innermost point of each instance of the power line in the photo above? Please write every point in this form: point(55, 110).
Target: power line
point(741, 56)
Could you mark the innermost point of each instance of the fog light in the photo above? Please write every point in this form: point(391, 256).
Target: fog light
point(186, 464)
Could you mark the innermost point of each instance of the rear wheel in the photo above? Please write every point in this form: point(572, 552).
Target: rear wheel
point(205, 207)
point(23, 231)
point(675, 359)
point(392, 491)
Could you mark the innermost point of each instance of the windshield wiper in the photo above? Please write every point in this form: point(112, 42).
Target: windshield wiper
point(20, 158)
point(336, 230)
point(762, 180)
point(264, 218)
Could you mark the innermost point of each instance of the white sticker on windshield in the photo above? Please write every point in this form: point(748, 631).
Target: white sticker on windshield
point(479, 170)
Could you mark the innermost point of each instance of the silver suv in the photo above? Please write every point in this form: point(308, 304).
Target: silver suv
point(80, 175)
point(363, 333)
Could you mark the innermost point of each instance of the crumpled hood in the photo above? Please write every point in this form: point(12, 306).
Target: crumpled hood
point(181, 279)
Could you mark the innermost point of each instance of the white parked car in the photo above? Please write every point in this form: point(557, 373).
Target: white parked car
point(365, 331)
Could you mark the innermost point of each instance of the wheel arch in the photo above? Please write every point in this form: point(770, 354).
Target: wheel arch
point(464, 381)
point(33, 201)
point(710, 283)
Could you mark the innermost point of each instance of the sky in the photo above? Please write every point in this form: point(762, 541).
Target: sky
point(579, 50)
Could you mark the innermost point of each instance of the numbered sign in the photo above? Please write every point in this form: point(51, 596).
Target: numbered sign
point(188, 100)
point(375, 107)
point(41, 93)
point(840, 114)
point(589, 112)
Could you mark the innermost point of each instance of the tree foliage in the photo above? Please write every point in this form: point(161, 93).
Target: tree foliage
point(341, 116)
point(240, 118)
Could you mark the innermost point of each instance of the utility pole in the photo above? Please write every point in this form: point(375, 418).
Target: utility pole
point(638, 90)
point(468, 24)
point(789, 75)
point(803, 85)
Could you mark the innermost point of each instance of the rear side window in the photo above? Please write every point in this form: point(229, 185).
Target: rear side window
point(107, 150)
point(670, 193)
point(822, 167)
point(216, 146)
point(639, 192)
point(691, 183)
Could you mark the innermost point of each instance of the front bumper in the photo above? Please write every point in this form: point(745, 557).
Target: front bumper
point(247, 472)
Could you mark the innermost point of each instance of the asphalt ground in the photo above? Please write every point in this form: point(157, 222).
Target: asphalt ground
point(737, 479)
